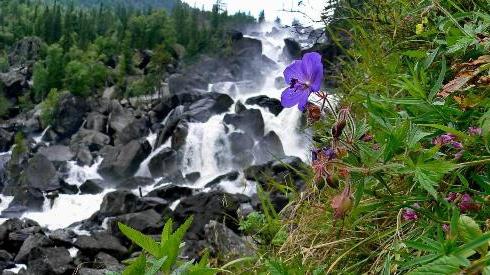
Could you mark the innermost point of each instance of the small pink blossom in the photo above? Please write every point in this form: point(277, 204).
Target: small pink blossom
point(467, 204)
point(445, 228)
point(342, 203)
point(444, 139)
point(474, 131)
point(409, 214)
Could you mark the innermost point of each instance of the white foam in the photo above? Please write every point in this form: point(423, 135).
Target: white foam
point(67, 209)
point(17, 268)
point(73, 252)
point(5, 201)
point(77, 174)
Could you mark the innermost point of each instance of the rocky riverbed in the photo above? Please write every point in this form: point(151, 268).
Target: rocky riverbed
point(199, 149)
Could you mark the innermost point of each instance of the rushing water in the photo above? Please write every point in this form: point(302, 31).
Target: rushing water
point(206, 150)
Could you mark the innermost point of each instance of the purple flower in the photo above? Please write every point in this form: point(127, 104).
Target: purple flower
point(457, 145)
point(459, 155)
point(409, 214)
point(329, 153)
point(303, 77)
point(474, 131)
point(452, 196)
point(444, 139)
point(467, 204)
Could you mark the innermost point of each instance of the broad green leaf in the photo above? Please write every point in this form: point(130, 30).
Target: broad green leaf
point(145, 242)
point(446, 265)
point(137, 267)
point(171, 247)
point(422, 246)
point(429, 174)
point(469, 230)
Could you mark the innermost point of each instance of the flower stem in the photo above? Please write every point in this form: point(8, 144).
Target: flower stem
point(471, 163)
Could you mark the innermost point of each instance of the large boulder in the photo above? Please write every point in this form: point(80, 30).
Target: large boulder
point(41, 174)
point(148, 222)
point(206, 207)
point(171, 192)
point(25, 199)
point(57, 153)
point(292, 49)
point(49, 261)
point(166, 164)
point(211, 104)
point(97, 122)
point(241, 145)
point(90, 139)
point(36, 240)
point(135, 129)
point(274, 105)
point(169, 125)
point(268, 148)
point(249, 121)
point(69, 115)
point(13, 83)
point(101, 241)
point(118, 203)
point(226, 243)
point(167, 104)
point(122, 162)
point(25, 51)
point(92, 186)
point(280, 170)
point(179, 135)
point(9, 229)
point(6, 140)
point(248, 47)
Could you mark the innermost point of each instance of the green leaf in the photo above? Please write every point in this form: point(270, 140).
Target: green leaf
point(171, 247)
point(455, 132)
point(156, 265)
point(145, 242)
point(446, 265)
point(167, 230)
point(137, 267)
point(421, 246)
point(429, 174)
point(469, 230)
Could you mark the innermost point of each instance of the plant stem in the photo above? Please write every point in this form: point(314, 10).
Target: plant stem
point(471, 163)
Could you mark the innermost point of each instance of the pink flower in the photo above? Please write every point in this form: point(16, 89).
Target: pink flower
point(444, 139)
point(452, 196)
point(474, 131)
point(445, 228)
point(467, 204)
point(409, 214)
point(342, 203)
point(457, 145)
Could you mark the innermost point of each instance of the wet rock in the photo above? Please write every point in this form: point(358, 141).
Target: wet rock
point(274, 105)
point(122, 162)
point(69, 115)
point(206, 207)
point(180, 135)
point(13, 82)
point(135, 129)
point(6, 260)
point(6, 140)
point(37, 240)
point(57, 153)
point(268, 148)
point(92, 271)
point(171, 192)
point(239, 142)
point(192, 177)
point(279, 83)
point(11, 226)
point(223, 241)
point(165, 164)
point(101, 241)
point(49, 261)
point(179, 83)
point(248, 47)
point(84, 156)
point(239, 107)
point(25, 199)
point(135, 182)
point(166, 105)
point(148, 222)
point(66, 188)
point(211, 104)
point(118, 202)
point(226, 177)
point(92, 186)
point(169, 124)
point(62, 237)
point(108, 262)
point(278, 170)
point(249, 121)
point(41, 174)
point(97, 122)
point(93, 140)
point(292, 49)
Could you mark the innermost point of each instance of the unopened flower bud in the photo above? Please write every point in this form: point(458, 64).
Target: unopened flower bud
point(342, 203)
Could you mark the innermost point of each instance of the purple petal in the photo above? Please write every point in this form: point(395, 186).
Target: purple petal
point(313, 70)
point(294, 71)
point(293, 96)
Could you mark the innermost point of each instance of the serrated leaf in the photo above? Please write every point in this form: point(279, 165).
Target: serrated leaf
point(167, 230)
point(429, 174)
point(137, 267)
point(145, 242)
point(156, 265)
point(469, 230)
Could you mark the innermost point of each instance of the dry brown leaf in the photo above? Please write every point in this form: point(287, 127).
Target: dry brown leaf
point(467, 71)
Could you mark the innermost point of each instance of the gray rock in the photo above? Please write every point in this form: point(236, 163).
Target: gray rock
point(223, 241)
point(90, 139)
point(92, 186)
point(97, 122)
point(249, 121)
point(122, 162)
point(37, 240)
point(57, 153)
point(41, 174)
point(49, 261)
point(69, 115)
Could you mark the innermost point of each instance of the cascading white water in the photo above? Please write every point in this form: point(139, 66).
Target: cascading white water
point(206, 149)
